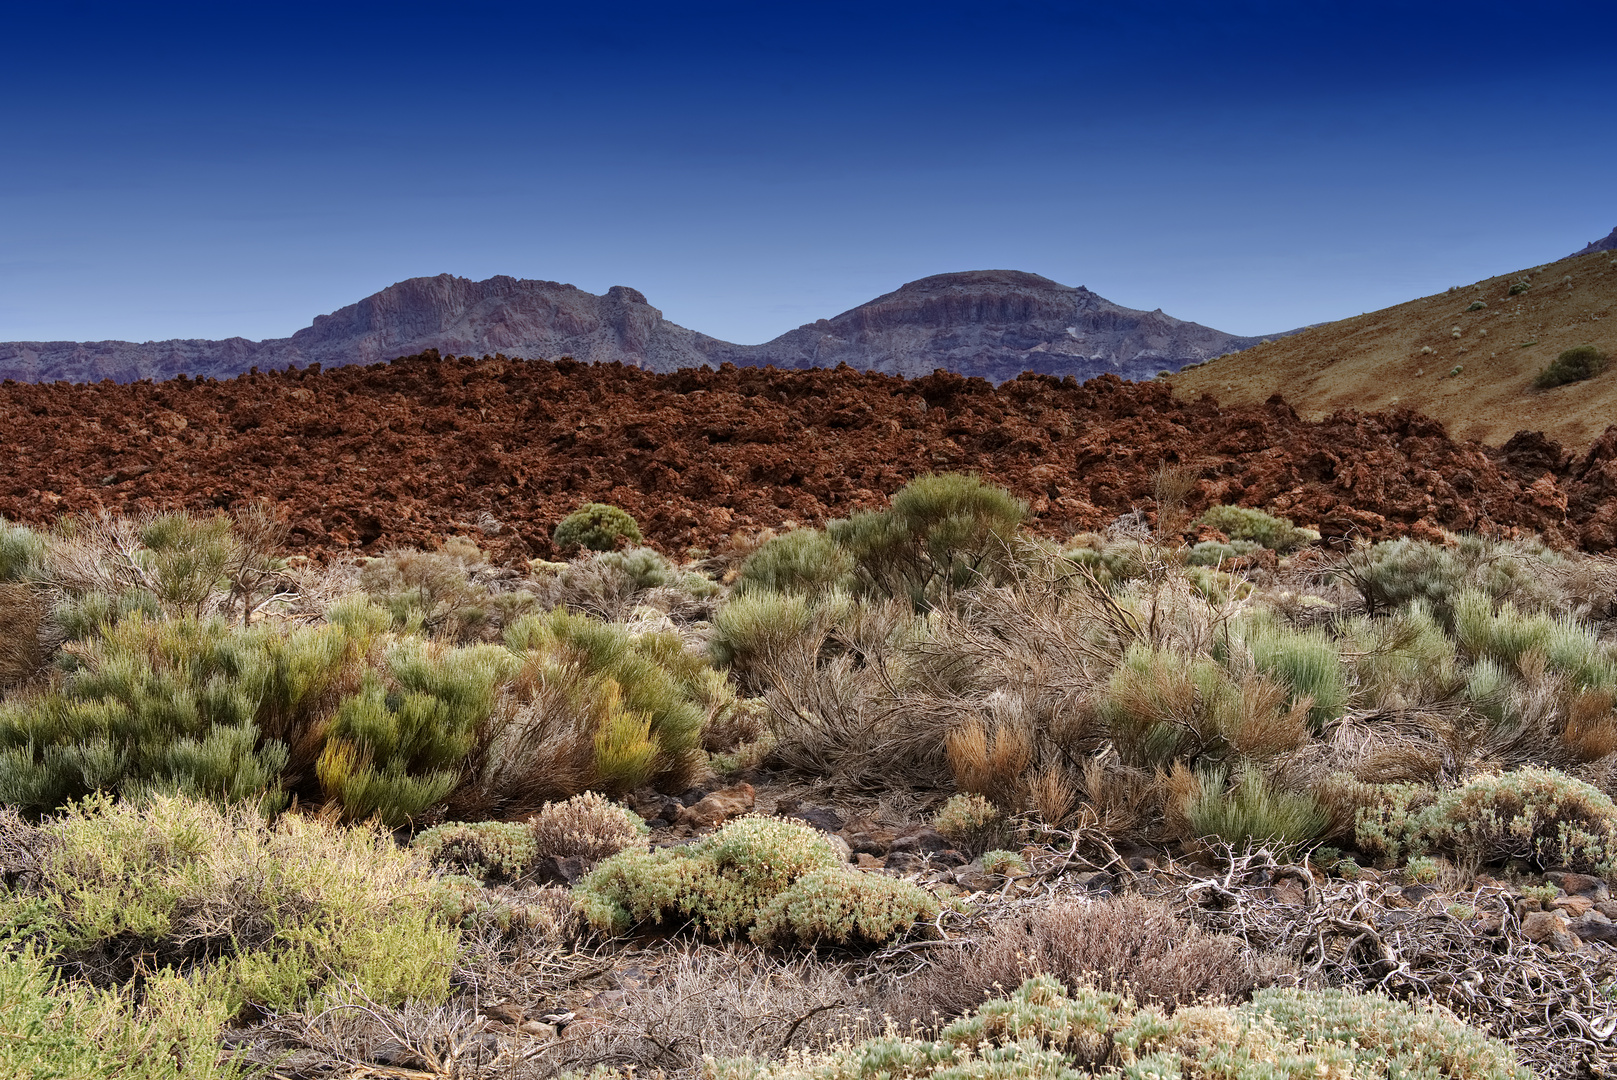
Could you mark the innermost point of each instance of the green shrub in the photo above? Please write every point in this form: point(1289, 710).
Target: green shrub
point(1477, 305)
point(1306, 661)
point(597, 527)
point(22, 552)
point(742, 879)
point(1043, 1031)
point(434, 590)
point(1252, 809)
point(940, 534)
point(645, 693)
point(1213, 553)
point(490, 850)
point(1518, 287)
point(1160, 706)
point(1267, 530)
point(1540, 815)
point(49, 1028)
point(1396, 573)
point(842, 907)
point(642, 567)
point(235, 912)
point(1573, 365)
point(801, 561)
point(399, 745)
point(1508, 636)
point(971, 822)
point(755, 629)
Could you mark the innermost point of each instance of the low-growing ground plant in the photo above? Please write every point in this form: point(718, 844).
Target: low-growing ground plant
point(586, 827)
point(489, 850)
point(772, 880)
point(1539, 815)
point(972, 823)
point(1043, 1029)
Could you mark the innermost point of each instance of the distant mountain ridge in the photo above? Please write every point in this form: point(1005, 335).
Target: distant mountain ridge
point(1605, 243)
point(990, 323)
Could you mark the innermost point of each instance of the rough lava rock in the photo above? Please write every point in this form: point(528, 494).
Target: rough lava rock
point(1605, 243)
point(364, 459)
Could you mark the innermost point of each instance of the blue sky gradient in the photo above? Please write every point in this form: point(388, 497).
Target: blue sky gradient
point(212, 170)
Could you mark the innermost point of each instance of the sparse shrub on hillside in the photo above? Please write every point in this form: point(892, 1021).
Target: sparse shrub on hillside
point(597, 527)
point(804, 561)
point(1395, 573)
point(1244, 523)
point(1477, 305)
point(1540, 815)
point(1518, 287)
point(1573, 365)
point(438, 592)
point(615, 585)
point(1213, 553)
point(941, 534)
point(220, 911)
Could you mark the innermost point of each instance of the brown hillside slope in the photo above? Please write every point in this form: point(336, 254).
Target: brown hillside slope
point(1376, 361)
point(366, 458)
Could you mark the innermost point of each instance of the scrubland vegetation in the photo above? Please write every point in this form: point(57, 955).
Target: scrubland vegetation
point(914, 794)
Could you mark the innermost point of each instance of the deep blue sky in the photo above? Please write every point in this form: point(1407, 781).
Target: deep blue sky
point(211, 170)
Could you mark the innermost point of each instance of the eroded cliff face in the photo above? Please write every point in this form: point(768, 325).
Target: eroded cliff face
point(989, 323)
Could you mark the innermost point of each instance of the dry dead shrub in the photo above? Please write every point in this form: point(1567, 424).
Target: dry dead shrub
point(1126, 944)
point(1173, 485)
point(1126, 802)
point(1053, 796)
point(540, 747)
point(588, 826)
point(723, 1003)
point(1264, 725)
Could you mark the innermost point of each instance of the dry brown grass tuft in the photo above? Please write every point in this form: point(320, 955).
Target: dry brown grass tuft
point(1591, 725)
point(992, 761)
point(22, 656)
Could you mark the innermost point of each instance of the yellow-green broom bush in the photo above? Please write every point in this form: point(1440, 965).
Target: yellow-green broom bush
point(806, 561)
point(1241, 523)
point(240, 912)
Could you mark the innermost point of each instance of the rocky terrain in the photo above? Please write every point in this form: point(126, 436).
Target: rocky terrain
point(1605, 243)
point(409, 452)
point(994, 324)
point(1466, 357)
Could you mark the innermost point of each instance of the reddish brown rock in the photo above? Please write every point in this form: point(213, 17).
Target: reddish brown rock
point(407, 453)
point(719, 807)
